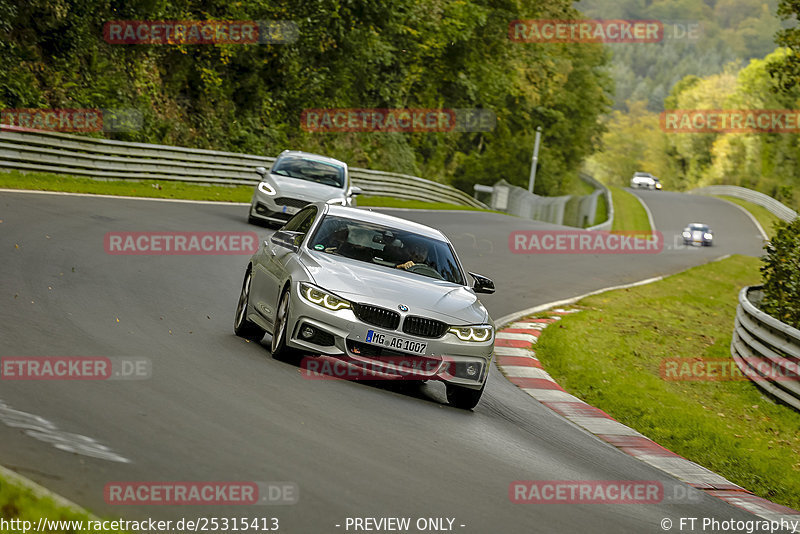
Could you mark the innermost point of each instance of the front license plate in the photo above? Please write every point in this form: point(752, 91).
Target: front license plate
point(395, 342)
point(290, 210)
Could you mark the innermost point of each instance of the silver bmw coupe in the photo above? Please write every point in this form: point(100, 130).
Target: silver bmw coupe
point(372, 290)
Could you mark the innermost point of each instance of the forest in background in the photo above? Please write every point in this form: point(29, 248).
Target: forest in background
point(701, 37)
point(768, 162)
point(348, 54)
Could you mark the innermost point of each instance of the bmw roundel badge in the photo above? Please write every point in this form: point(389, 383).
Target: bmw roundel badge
point(402, 308)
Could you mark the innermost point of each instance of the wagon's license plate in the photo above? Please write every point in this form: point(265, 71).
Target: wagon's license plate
point(395, 342)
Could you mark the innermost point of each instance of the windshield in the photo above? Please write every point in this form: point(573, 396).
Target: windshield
point(388, 247)
point(309, 170)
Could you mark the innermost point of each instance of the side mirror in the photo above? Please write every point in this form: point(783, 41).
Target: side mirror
point(355, 191)
point(482, 284)
point(288, 239)
point(261, 170)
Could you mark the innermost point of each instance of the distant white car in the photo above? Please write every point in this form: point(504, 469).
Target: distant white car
point(295, 180)
point(645, 180)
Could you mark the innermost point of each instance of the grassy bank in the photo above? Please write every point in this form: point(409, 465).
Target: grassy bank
point(147, 188)
point(21, 503)
point(610, 355)
point(629, 215)
point(165, 189)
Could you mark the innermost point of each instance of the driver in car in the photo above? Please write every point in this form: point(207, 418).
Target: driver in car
point(417, 254)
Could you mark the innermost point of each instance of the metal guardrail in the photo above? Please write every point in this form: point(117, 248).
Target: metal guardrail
point(775, 207)
point(60, 153)
point(609, 222)
point(765, 349)
point(570, 210)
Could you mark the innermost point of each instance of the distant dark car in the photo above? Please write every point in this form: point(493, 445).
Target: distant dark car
point(698, 234)
point(645, 180)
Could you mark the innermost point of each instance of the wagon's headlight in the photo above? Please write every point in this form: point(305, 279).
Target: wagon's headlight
point(478, 334)
point(687, 235)
point(320, 297)
point(707, 236)
point(337, 202)
point(267, 189)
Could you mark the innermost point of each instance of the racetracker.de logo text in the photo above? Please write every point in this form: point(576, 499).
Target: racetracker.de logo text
point(180, 243)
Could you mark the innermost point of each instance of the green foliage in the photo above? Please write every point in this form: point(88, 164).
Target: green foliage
point(781, 274)
point(349, 53)
point(766, 162)
point(725, 31)
point(786, 71)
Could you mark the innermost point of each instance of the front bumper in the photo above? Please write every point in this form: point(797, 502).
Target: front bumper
point(266, 209)
point(342, 335)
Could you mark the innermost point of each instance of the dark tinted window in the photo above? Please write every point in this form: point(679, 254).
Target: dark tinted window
point(302, 221)
point(387, 247)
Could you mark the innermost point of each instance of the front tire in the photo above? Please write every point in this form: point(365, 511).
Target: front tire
point(242, 326)
point(464, 398)
point(278, 348)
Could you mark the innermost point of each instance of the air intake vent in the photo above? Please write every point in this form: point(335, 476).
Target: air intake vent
point(292, 202)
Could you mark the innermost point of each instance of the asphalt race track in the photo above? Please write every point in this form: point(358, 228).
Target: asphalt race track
point(218, 408)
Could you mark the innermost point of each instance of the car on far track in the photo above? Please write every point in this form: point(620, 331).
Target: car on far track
point(295, 180)
point(374, 291)
point(645, 180)
point(698, 234)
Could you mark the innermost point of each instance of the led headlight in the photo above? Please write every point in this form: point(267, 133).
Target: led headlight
point(478, 334)
point(687, 235)
point(267, 189)
point(707, 236)
point(320, 297)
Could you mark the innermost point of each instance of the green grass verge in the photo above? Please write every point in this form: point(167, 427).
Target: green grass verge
point(629, 215)
point(146, 188)
point(165, 189)
point(19, 502)
point(602, 210)
point(391, 202)
point(609, 355)
point(761, 214)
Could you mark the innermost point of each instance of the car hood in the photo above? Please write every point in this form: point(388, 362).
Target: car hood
point(390, 288)
point(303, 189)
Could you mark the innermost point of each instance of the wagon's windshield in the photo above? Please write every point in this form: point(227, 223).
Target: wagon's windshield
point(310, 170)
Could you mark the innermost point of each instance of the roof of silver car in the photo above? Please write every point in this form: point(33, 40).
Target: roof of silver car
point(310, 155)
point(385, 220)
